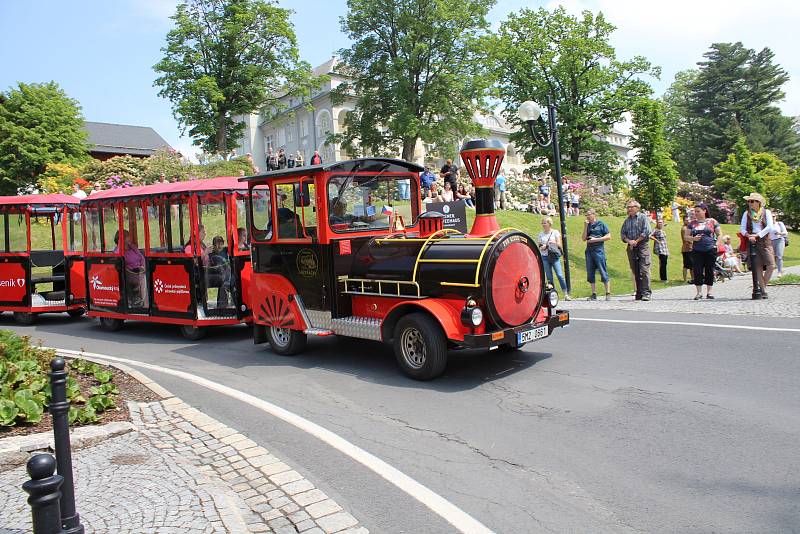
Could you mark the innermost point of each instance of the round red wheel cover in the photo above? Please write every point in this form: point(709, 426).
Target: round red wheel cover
point(516, 284)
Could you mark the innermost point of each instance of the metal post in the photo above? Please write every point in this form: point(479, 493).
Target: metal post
point(44, 495)
point(751, 250)
point(59, 408)
point(551, 115)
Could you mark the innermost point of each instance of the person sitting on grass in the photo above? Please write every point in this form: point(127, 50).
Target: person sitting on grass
point(730, 258)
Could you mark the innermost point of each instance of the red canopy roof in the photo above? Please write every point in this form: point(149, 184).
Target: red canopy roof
point(222, 183)
point(49, 200)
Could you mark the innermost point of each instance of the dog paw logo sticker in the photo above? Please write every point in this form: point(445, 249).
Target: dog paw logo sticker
point(158, 285)
point(95, 281)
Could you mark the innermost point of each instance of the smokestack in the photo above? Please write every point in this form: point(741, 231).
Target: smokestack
point(482, 159)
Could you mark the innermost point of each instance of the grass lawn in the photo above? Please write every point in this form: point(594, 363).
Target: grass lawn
point(621, 282)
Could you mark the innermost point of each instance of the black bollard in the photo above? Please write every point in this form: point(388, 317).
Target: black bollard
point(751, 250)
point(44, 495)
point(59, 409)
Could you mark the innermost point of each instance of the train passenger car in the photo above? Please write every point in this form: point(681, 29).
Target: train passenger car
point(41, 268)
point(176, 253)
point(338, 250)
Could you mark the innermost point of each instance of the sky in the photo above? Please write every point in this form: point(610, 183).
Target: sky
point(101, 52)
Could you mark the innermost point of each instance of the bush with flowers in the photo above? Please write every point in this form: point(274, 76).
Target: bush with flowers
point(59, 178)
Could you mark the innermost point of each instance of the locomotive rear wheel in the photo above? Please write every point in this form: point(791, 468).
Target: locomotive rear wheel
point(285, 341)
point(109, 324)
point(193, 333)
point(24, 318)
point(420, 347)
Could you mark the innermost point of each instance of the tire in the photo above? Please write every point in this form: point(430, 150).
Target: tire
point(193, 333)
point(76, 313)
point(285, 341)
point(110, 324)
point(420, 346)
point(24, 318)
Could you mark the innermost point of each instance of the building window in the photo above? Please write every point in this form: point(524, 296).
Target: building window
point(289, 134)
point(323, 124)
point(303, 126)
point(269, 143)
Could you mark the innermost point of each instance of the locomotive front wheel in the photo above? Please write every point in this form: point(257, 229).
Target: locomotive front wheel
point(420, 347)
point(285, 341)
point(193, 333)
point(76, 313)
point(24, 318)
point(109, 324)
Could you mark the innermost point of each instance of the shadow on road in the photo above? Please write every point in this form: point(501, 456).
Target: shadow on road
point(232, 347)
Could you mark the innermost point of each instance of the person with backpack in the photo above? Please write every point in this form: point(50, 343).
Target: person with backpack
point(755, 228)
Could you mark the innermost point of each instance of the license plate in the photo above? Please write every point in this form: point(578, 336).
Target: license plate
point(532, 334)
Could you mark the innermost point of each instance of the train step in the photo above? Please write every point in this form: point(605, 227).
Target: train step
point(360, 327)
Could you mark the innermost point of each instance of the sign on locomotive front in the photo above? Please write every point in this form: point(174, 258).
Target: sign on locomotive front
point(455, 214)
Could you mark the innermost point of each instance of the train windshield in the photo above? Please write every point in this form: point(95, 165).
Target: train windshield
point(368, 202)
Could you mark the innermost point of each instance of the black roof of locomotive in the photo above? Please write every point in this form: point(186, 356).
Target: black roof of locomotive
point(351, 165)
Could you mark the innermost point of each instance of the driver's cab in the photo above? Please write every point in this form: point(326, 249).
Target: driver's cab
point(307, 222)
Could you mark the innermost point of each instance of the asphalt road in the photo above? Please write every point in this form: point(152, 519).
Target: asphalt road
point(604, 427)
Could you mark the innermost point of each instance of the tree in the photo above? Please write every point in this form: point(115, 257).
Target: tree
point(39, 124)
point(736, 177)
point(777, 176)
point(791, 210)
point(540, 53)
point(682, 128)
point(734, 92)
point(416, 70)
point(656, 178)
point(114, 171)
point(226, 58)
point(167, 162)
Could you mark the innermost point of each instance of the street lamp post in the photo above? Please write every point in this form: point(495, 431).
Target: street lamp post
point(529, 113)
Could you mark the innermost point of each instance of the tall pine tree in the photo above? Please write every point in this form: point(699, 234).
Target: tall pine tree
point(656, 178)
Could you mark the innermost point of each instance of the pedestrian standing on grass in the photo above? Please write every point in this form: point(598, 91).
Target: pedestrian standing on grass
point(596, 233)
point(660, 248)
point(635, 233)
point(686, 248)
point(756, 225)
point(552, 249)
point(778, 236)
point(705, 244)
point(448, 174)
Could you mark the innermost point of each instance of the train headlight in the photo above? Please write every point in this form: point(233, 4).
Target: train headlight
point(476, 316)
point(552, 297)
point(471, 316)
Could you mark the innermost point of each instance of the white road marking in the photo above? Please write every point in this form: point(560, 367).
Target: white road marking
point(680, 323)
point(438, 504)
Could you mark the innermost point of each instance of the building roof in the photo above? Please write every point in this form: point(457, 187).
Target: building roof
point(123, 139)
point(326, 68)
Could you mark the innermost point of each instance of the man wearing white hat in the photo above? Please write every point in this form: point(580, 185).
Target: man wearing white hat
point(756, 226)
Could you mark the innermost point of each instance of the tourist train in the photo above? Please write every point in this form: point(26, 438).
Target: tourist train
point(331, 249)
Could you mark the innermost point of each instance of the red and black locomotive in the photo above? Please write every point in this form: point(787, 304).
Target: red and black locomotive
point(337, 249)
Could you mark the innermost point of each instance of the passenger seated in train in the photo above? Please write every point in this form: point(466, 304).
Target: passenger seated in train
point(134, 271)
point(201, 232)
point(339, 215)
point(244, 243)
point(218, 272)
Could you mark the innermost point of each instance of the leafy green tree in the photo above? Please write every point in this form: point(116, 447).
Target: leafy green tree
point(417, 72)
point(735, 90)
point(540, 53)
point(777, 176)
point(791, 208)
point(682, 129)
point(231, 167)
point(225, 58)
point(736, 177)
point(39, 124)
point(656, 178)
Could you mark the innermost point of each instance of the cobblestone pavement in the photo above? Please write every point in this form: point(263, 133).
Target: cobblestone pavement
point(183, 472)
point(732, 298)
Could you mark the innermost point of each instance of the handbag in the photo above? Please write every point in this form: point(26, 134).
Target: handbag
point(552, 248)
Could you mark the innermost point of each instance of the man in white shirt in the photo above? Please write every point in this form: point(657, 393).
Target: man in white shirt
point(77, 191)
point(756, 226)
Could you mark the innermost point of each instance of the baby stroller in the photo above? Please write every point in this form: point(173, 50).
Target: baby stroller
point(721, 271)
